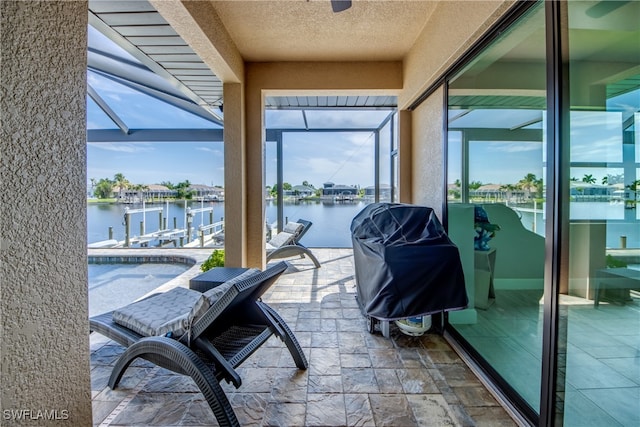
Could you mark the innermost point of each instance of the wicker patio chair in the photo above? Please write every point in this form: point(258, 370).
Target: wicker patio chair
point(287, 244)
point(203, 335)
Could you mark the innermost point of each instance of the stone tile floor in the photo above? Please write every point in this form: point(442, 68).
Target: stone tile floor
point(354, 378)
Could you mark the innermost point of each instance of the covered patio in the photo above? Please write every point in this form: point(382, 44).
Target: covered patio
point(354, 378)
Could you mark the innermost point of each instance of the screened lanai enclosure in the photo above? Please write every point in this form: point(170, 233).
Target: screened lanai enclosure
point(551, 156)
point(155, 126)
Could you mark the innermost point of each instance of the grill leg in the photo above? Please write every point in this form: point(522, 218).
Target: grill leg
point(384, 328)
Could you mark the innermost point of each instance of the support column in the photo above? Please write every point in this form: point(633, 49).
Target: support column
point(235, 179)
point(404, 153)
point(44, 335)
point(256, 256)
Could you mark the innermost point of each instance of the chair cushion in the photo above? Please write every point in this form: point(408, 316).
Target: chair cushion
point(214, 294)
point(172, 311)
point(292, 227)
point(286, 236)
point(280, 239)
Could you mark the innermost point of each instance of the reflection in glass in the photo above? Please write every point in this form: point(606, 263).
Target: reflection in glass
point(495, 155)
point(602, 305)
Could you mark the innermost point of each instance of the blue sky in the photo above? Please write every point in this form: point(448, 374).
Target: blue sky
point(342, 158)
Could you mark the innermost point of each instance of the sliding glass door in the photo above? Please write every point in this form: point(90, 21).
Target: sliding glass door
point(569, 356)
point(496, 200)
point(602, 304)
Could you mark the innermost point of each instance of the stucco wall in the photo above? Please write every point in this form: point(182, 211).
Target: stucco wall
point(452, 28)
point(44, 326)
point(427, 153)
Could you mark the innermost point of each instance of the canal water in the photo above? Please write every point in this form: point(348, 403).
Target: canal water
point(331, 221)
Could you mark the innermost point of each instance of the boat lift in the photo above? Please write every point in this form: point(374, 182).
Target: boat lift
point(173, 235)
point(143, 239)
point(206, 233)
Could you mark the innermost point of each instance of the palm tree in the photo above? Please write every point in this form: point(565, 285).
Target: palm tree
point(103, 188)
point(539, 185)
point(633, 187)
point(474, 185)
point(122, 183)
point(182, 190)
point(589, 179)
point(528, 182)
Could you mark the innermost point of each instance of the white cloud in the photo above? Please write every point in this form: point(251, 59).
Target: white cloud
point(515, 147)
point(209, 150)
point(125, 147)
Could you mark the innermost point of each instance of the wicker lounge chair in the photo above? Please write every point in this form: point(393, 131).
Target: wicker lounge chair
point(286, 243)
point(203, 335)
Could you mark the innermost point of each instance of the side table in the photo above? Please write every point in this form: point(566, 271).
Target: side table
point(485, 262)
point(214, 277)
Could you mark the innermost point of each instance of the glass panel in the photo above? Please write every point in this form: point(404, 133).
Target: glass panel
point(496, 122)
point(325, 175)
point(271, 187)
point(395, 165)
point(141, 111)
point(602, 303)
point(385, 163)
point(284, 119)
point(394, 145)
point(352, 119)
point(328, 175)
point(96, 118)
point(454, 167)
point(154, 185)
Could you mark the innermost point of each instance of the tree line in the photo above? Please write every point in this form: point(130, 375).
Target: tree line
point(103, 188)
point(534, 185)
point(273, 190)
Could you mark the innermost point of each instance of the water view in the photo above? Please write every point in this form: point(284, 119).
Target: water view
point(330, 228)
point(331, 220)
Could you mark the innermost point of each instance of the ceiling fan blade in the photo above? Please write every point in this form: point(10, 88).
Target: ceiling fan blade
point(340, 5)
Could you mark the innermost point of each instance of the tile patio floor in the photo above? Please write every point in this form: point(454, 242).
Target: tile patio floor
point(354, 378)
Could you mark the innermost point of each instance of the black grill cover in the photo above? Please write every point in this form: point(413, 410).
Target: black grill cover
point(405, 263)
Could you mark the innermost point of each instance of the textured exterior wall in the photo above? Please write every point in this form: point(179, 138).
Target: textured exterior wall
point(427, 153)
point(235, 176)
point(44, 327)
point(452, 28)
